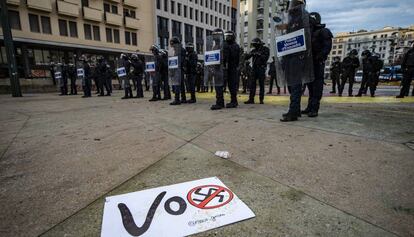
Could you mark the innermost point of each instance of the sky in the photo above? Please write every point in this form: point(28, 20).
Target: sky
point(354, 15)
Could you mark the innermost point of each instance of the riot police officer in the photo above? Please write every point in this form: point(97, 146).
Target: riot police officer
point(376, 65)
point(137, 74)
point(199, 78)
point(260, 54)
point(190, 65)
point(178, 77)
point(87, 78)
point(335, 74)
point(156, 79)
point(126, 65)
point(321, 47)
point(64, 80)
point(231, 61)
point(246, 76)
point(272, 74)
point(407, 67)
point(101, 73)
point(72, 77)
point(349, 67)
point(164, 75)
point(365, 55)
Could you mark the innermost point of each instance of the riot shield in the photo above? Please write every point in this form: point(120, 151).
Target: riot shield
point(150, 71)
point(122, 72)
point(59, 75)
point(80, 72)
point(293, 47)
point(175, 61)
point(213, 61)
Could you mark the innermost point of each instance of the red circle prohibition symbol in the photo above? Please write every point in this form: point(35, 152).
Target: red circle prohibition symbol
point(203, 204)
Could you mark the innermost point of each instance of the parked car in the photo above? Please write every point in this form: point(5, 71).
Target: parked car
point(358, 76)
point(391, 73)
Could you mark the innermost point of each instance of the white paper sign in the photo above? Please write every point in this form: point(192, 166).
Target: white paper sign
point(58, 75)
point(150, 67)
point(212, 57)
point(176, 210)
point(291, 43)
point(121, 72)
point(173, 62)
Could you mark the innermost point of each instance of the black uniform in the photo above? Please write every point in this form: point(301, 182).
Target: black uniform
point(260, 56)
point(246, 76)
point(365, 76)
point(321, 47)
point(164, 76)
point(72, 77)
point(137, 75)
point(335, 69)
point(349, 67)
point(124, 62)
point(273, 78)
point(231, 60)
point(183, 81)
point(407, 67)
point(200, 78)
point(87, 85)
point(64, 80)
point(375, 66)
point(191, 73)
point(102, 78)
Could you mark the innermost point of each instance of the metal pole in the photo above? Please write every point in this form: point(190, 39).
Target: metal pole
point(11, 57)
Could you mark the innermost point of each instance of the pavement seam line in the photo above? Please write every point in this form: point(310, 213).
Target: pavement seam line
point(309, 195)
point(129, 179)
point(14, 138)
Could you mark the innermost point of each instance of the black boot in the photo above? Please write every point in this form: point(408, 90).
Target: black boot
point(217, 107)
point(289, 117)
point(175, 102)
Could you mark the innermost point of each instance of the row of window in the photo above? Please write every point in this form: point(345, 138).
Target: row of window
point(41, 24)
point(218, 7)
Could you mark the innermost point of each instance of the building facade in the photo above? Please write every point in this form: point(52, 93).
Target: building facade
point(191, 20)
point(57, 30)
point(390, 43)
point(256, 21)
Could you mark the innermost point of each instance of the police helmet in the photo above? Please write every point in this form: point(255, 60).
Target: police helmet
point(154, 49)
point(316, 17)
point(189, 45)
point(366, 53)
point(229, 36)
point(134, 56)
point(353, 52)
point(257, 42)
point(175, 40)
point(296, 3)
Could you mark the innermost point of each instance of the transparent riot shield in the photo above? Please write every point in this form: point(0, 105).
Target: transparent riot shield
point(175, 61)
point(293, 47)
point(59, 75)
point(150, 70)
point(122, 71)
point(213, 61)
point(80, 72)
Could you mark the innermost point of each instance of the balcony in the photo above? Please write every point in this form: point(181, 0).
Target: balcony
point(14, 2)
point(92, 14)
point(118, 1)
point(43, 5)
point(132, 23)
point(113, 19)
point(131, 3)
point(68, 8)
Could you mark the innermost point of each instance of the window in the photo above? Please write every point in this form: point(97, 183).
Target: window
point(129, 13)
point(46, 28)
point(116, 36)
point(34, 23)
point(185, 11)
point(88, 31)
point(109, 35)
point(179, 9)
point(96, 33)
point(110, 8)
point(73, 29)
point(191, 13)
point(166, 5)
point(63, 28)
point(196, 15)
point(14, 19)
point(114, 9)
point(85, 3)
point(172, 5)
point(130, 38)
point(127, 38)
point(134, 39)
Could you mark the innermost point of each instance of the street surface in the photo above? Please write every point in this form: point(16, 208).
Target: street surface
point(348, 172)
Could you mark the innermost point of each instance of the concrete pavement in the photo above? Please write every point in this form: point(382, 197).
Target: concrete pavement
point(347, 173)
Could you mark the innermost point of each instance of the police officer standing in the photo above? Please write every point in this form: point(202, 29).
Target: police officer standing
point(272, 74)
point(164, 75)
point(126, 64)
point(365, 55)
point(156, 90)
point(179, 90)
point(190, 64)
point(407, 67)
point(64, 80)
point(137, 74)
point(321, 47)
point(72, 77)
point(87, 84)
point(376, 65)
point(335, 74)
point(260, 54)
point(349, 67)
point(101, 72)
point(231, 61)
